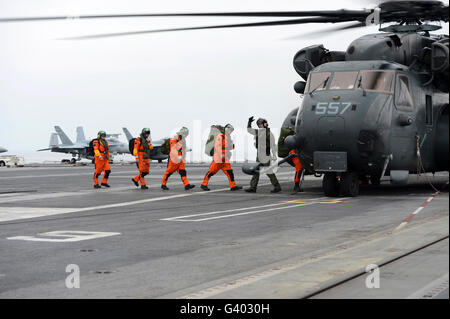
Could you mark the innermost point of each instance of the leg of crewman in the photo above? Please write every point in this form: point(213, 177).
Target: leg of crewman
point(144, 170)
point(171, 168)
point(107, 170)
point(213, 169)
point(228, 171)
point(298, 174)
point(99, 168)
point(183, 174)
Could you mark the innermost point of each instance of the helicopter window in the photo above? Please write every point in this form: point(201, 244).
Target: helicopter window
point(403, 92)
point(318, 81)
point(380, 81)
point(343, 81)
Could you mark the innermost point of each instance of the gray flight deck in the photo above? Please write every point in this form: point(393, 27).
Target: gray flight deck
point(132, 243)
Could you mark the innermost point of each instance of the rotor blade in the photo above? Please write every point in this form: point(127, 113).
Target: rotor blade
point(324, 13)
point(329, 30)
point(224, 26)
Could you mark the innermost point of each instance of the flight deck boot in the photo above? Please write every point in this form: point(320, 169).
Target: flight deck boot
point(297, 189)
point(275, 183)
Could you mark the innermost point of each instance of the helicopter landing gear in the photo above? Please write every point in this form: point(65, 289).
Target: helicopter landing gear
point(349, 185)
point(330, 185)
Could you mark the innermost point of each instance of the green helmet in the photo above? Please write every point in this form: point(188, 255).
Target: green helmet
point(101, 133)
point(145, 130)
point(184, 131)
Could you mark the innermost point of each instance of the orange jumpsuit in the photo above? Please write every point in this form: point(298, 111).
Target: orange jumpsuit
point(176, 161)
point(298, 167)
point(144, 163)
point(222, 147)
point(101, 149)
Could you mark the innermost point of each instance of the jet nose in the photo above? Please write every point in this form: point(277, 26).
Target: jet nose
point(2, 150)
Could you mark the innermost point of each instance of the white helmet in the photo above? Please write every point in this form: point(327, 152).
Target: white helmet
point(229, 127)
point(184, 131)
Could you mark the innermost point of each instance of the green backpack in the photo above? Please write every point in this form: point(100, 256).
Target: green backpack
point(165, 147)
point(285, 131)
point(214, 131)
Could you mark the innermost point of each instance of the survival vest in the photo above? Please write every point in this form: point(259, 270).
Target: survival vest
point(267, 132)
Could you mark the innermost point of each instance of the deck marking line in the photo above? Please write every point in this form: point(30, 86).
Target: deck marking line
point(410, 217)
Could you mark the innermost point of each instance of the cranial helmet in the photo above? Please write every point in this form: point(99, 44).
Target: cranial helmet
point(263, 122)
point(229, 127)
point(101, 133)
point(184, 131)
point(145, 130)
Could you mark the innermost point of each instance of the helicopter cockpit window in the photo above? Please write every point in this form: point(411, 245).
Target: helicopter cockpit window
point(343, 81)
point(403, 92)
point(318, 81)
point(380, 81)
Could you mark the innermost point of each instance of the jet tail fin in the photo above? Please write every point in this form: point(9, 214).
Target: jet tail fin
point(80, 135)
point(64, 138)
point(127, 133)
point(53, 140)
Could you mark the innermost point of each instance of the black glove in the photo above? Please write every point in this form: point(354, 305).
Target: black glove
point(250, 120)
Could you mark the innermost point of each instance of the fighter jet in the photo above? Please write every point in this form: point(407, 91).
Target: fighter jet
point(156, 153)
point(80, 147)
point(115, 145)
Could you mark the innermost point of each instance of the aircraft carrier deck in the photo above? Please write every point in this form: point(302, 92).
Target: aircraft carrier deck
point(131, 243)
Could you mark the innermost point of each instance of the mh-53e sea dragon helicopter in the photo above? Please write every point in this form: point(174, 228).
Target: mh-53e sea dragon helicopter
point(379, 108)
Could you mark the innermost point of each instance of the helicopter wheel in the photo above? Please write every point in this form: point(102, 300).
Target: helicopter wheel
point(349, 185)
point(330, 185)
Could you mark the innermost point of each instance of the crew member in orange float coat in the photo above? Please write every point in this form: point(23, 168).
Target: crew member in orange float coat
point(177, 159)
point(298, 172)
point(222, 153)
point(142, 148)
point(101, 159)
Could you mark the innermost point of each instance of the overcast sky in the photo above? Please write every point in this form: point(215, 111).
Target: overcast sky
point(162, 81)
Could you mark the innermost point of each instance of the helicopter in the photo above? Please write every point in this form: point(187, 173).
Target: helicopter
point(380, 108)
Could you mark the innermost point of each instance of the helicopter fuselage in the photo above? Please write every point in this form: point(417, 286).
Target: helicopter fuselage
point(370, 117)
